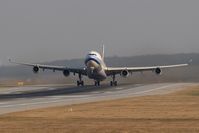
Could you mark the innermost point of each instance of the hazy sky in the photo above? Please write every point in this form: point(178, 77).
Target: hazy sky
point(45, 30)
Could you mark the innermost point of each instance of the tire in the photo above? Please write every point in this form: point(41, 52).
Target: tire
point(78, 83)
point(82, 83)
point(98, 83)
point(111, 83)
point(115, 83)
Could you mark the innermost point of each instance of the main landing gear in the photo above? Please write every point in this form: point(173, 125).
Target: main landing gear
point(80, 82)
point(113, 83)
point(97, 83)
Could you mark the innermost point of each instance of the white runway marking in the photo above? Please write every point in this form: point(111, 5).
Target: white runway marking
point(67, 96)
point(160, 88)
point(4, 103)
point(118, 88)
point(51, 89)
point(25, 104)
point(107, 92)
point(7, 92)
point(95, 92)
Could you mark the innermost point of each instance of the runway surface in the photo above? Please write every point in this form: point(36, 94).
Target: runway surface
point(33, 97)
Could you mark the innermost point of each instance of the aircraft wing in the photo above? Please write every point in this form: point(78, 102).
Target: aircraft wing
point(118, 70)
point(54, 68)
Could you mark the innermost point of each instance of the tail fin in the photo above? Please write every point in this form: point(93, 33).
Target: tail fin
point(102, 54)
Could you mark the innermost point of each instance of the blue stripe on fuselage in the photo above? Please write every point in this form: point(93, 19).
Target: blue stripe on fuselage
point(93, 59)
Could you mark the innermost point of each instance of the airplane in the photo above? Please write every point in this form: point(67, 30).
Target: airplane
point(96, 69)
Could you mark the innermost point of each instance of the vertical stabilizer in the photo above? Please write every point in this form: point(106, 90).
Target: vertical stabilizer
point(102, 54)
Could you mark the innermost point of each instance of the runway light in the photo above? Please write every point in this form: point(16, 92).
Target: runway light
point(20, 83)
point(69, 110)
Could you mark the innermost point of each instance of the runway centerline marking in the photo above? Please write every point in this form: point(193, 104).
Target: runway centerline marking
point(4, 103)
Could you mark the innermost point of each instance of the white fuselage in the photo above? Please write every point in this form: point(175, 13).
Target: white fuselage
point(95, 66)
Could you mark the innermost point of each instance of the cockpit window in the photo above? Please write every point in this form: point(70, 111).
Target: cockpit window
point(93, 54)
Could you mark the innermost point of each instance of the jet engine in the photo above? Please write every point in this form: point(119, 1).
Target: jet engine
point(35, 69)
point(125, 73)
point(66, 73)
point(158, 71)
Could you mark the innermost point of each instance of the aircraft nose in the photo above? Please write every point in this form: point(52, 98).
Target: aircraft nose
point(92, 64)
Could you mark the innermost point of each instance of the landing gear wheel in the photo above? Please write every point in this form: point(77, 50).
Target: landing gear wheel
point(80, 83)
point(97, 83)
point(113, 83)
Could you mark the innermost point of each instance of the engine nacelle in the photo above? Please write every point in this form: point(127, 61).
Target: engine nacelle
point(35, 69)
point(158, 71)
point(66, 73)
point(125, 73)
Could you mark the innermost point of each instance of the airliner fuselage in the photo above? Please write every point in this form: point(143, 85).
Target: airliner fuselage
point(95, 66)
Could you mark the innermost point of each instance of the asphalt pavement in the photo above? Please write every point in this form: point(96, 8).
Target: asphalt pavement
point(32, 97)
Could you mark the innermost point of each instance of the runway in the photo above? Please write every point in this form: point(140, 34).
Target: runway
point(33, 97)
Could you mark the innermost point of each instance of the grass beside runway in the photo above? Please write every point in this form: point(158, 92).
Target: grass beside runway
point(177, 112)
